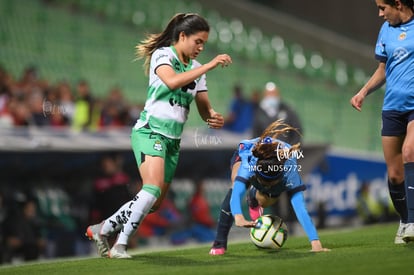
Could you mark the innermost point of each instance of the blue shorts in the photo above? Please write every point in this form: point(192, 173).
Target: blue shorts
point(395, 123)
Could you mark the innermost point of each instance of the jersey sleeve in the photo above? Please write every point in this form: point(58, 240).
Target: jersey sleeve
point(160, 57)
point(202, 83)
point(248, 161)
point(239, 189)
point(380, 49)
point(243, 174)
point(298, 204)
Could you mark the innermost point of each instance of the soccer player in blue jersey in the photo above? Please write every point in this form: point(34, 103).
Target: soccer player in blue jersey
point(395, 54)
point(265, 167)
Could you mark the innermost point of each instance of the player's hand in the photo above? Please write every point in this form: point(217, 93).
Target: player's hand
point(357, 100)
point(216, 121)
point(317, 247)
point(240, 221)
point(222, 59)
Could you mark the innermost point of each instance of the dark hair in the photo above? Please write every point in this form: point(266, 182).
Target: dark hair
point(408, 3)
point(189, 23)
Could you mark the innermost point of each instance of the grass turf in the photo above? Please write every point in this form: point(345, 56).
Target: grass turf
point(365, 250)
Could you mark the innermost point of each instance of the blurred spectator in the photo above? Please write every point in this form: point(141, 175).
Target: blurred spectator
point(134, 111)
point(272, 108)
point(58, 105)
point(111, 189)
point(114, 112)
point(20, 112)
point(373, 208)
point(23, 231)
point(201, 223)
point(239, 118)
point(6, 119)
point(66, 101)
point(83, 115)
point(38, 116)
point(29, 82)
point(55, 210)
point(31, 101)
point(166, 220)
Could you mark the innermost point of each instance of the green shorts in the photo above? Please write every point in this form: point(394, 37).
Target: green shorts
point(146, 142)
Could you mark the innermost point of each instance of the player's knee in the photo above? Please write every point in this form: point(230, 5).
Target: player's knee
point(408, 153)
point(396, 178)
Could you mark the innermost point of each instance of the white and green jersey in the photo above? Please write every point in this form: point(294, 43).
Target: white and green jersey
point(166, 111)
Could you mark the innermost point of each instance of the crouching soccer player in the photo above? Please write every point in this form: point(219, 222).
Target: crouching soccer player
point(266, 167)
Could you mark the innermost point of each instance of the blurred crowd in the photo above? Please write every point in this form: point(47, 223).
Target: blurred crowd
point(46, 219)
point(33, 101)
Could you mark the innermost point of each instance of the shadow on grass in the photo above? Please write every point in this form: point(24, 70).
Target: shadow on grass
point(235, 256)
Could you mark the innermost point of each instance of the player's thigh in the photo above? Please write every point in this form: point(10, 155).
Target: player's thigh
point(408, 146)
point(149, 150)
point(392, 147)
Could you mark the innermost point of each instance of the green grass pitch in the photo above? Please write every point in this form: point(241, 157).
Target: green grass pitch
point(365, 250)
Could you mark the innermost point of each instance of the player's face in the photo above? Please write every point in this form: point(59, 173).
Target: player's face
point(193, 45)
point(388, 12)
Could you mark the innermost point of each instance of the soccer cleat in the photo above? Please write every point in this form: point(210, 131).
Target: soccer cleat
point(114, 253)
point(255, 210)
point(255, 213)
point(93, 233)
point(408, 235)
point(217, 251)
point(399, 235)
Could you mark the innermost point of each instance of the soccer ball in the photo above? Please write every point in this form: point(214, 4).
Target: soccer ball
point(269, 232)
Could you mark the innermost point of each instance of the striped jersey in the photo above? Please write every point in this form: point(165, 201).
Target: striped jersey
point(166, 110)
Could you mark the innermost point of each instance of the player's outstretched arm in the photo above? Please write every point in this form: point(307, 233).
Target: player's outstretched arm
point(373, 84)
point(240, 221)
point(214, 120)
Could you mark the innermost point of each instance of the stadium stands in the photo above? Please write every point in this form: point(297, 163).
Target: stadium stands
point(69, 40)
point(95, 40)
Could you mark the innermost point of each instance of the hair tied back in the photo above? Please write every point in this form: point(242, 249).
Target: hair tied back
point(267, 140)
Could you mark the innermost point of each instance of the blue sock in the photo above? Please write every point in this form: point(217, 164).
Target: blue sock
point(409, 189)
point(225, 222)
point(397, 194)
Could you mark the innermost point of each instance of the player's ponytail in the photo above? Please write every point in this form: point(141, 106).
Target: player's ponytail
point(266, 146)
point(189, 23)
point(271, 152)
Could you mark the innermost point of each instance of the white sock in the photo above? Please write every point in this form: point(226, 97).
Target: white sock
point(114, 223)
point(135, 212)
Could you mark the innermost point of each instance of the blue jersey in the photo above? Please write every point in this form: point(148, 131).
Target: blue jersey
point(395, 47)
point(291, 182)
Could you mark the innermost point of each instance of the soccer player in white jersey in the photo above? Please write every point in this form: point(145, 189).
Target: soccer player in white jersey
point(395, 53)
point(175, 80)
